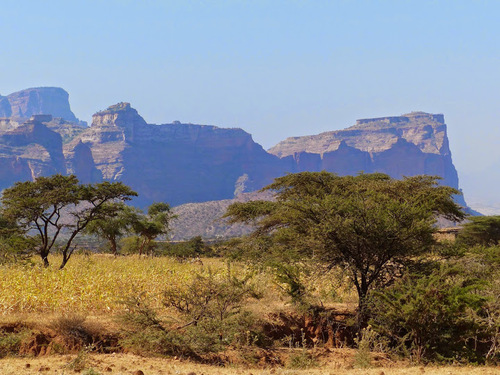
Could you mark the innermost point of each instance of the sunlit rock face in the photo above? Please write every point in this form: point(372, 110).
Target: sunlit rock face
point(35, 101)
point(408, 145)
point(29, 151)
point(180, 163)
point(176, 162)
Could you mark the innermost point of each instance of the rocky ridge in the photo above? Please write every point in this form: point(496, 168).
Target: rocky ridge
point(176, 162)
point(187, 163)
point(39, 100)
point(407, 145)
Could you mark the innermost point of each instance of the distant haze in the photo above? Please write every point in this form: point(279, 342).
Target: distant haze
point(275, 68)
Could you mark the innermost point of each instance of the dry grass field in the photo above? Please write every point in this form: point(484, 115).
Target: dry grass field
point(94, 287)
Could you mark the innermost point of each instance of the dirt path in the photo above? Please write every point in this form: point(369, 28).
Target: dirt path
point(127, 364)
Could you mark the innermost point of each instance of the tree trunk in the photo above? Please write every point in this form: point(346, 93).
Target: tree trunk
point(362, 318)
point(112, 244)
point(67, 251)
point(45, 260)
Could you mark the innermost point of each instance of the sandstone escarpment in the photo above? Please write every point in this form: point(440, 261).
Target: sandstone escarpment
point(176, 162)
point(34, 101)
point(28, 151)
point(407, 145)
point(79, 161)
point(180, 163)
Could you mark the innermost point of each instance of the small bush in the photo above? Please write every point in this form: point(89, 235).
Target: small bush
point(193, 248)
point(302, 360)
point(432, 318)
point(146, 333)
point(209, 316)
point(81, 361)
point(76, 331)
point(370, 341)
point(10, 342)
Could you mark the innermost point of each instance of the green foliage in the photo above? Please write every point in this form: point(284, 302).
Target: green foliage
point(290, 276)
point(146, 333)
point(209, 317)
point(193, 248)
point(40, 205)
point(115, 226)
point(130, 245)
point(155, 223)
point(91, 371)
point(432, 317)
point(365, 224)
point(302, 360)
point(10, 342)
point(81, 361)
point(481, 230)
point(367, 342)
point(14, 245)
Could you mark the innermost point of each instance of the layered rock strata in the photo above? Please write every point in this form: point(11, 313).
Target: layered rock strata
point(180, 163)
point(408, 145)
point(35, 101)
point(176, 162)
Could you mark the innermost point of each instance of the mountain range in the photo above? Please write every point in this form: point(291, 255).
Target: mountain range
point(186, 163)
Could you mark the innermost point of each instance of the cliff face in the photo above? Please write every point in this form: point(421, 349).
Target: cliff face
point(28, 151)
point(181, 163)
point(406, 145)
point(176, 162)
point(34, 125)
point(34, 101)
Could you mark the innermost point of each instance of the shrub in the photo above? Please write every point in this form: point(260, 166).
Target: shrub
point(10, 342)
point(77, 333)
point(433, 317)
point(195, 247)
point(209, 316)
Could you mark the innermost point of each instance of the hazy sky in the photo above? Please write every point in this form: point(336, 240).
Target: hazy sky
point(274, 68)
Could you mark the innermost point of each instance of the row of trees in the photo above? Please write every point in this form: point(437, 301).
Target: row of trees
point(378, 230)
point(38, 214)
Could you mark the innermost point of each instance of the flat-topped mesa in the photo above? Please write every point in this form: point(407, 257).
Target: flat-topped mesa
point(402, 120)
point(424, 130)
point(35, 101)
point(408, 145)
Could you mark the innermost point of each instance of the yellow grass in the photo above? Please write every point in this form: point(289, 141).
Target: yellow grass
point(97, 284)
point(89, 284)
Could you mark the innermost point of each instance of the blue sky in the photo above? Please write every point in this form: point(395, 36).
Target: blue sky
point(274, 68)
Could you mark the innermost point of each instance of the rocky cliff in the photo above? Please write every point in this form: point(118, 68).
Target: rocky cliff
point(176, 162)
point(28, 151)
point(34, 125)
point(181, 163)
point(35, 101)
point(408, 145)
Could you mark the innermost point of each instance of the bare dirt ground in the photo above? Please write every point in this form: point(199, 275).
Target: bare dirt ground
point(128, 364)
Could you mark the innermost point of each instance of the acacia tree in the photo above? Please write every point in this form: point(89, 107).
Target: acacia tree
point(114, 227)
point(483, 230)
point(155, 223)
point(13, 243)
point(363, 223)
point(56, 204)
